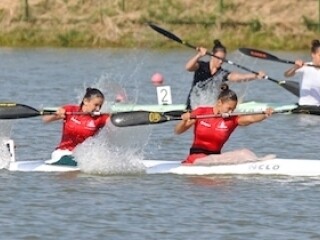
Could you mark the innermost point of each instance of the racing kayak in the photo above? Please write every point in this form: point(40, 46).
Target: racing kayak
point(251, 106)
point(277, 166)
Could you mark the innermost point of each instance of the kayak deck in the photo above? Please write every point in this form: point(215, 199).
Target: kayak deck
point(39, 166)
point(242, 107)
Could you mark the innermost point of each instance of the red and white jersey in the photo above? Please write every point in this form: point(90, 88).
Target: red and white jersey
point(212, 133)
point(77, 127)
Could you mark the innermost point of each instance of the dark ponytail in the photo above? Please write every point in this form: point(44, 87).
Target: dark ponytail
point(218, 47)
point(91, 92)
point(227, 94)
point(315, 44)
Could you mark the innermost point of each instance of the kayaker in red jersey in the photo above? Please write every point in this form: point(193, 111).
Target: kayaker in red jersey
point(212, 133)
point(211, 74)
point(78, 127)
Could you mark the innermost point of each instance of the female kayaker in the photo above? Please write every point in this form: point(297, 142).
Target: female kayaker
point(310, 83)
point(207, 72)
point(212, 133)
point(79, 126)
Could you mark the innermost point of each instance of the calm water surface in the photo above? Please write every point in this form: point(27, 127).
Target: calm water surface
point(139, 206)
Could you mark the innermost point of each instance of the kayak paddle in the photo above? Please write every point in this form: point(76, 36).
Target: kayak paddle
point(267, 56)
point(291, 86)
point(17, 111)
point(137, 118)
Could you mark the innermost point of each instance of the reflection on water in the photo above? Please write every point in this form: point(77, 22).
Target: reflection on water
point(210, 181)
point(307, 120)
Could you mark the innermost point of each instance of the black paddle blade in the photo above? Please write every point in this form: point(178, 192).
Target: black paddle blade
point(174, 114)
point(165, 33)
point(291, 86)
point(258, 54)
point(170, 35)
point(304, 109)
point(267, 56)
point(15, 111)
point(136, 118)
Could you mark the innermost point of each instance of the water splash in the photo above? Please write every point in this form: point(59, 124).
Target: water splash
point(111, 90)
point(204, 93)
point(113, 151)
point(6, 128)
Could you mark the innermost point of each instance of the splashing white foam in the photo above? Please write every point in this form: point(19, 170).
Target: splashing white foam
point(113, 151)
point(113, 91)
point(204, 94)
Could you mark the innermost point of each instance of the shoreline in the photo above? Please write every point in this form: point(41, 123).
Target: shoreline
point(271, 25)
point(147, 38)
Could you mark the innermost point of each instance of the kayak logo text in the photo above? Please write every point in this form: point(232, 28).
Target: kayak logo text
point(264, 167)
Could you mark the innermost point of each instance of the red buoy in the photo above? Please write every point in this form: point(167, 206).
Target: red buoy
point(157, 79)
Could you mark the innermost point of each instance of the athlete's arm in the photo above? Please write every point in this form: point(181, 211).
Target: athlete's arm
point(236, 77)
point(249, 119)
point(184, 124)
point(292, 71)
point(192, 65)
point(58, 115)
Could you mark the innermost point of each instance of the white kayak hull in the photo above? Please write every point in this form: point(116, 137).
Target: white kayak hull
point(290, 167)
point(39, 166)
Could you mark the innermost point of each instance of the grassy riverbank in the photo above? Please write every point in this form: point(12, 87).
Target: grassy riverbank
point(285, 25)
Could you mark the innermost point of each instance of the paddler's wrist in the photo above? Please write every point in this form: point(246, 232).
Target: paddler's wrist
point(198, 56)
point(186, 117)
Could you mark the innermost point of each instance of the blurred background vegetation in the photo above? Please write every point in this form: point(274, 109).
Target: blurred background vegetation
point(273, 24)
